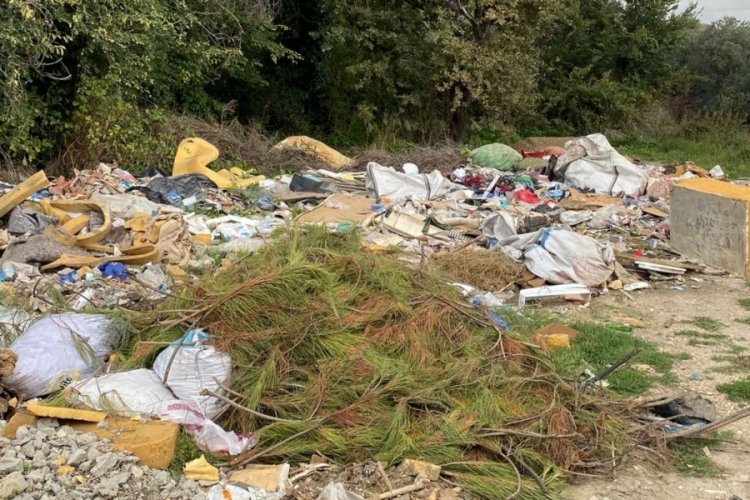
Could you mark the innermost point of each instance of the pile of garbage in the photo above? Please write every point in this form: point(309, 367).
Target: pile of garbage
point(352, 315)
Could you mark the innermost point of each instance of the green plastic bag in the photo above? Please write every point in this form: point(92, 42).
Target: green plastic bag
point(497, 156)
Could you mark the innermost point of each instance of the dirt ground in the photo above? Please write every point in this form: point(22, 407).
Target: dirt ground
point(662, 313)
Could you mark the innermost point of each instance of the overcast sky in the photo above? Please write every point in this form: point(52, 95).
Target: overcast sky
point(716, 9)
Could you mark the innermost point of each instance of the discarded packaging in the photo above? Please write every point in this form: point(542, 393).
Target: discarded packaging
point(58, 350)
point(189, 365)
point(135, 392)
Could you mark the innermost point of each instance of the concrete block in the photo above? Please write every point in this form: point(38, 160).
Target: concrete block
point(709, 221)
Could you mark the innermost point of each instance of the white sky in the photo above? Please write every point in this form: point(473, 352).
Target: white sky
point(713, 10)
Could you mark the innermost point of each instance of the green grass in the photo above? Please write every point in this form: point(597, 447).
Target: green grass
point(185, 451)
point(696, 338)
point(738, 390)
point(736, 364)
point(705, 144)
point(745, 321)
point(598, 345)
point(745, 303)
point(691, 460)
point(706, 323)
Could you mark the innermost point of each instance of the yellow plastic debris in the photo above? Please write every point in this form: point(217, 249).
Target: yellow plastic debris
point(194, 154)
point(65, 413)
point(316, 149)
point(200, 470)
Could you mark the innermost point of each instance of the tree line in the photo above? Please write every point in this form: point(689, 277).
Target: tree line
point(111, 76)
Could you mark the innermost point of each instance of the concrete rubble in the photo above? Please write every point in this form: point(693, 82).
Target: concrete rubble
point(578, 222)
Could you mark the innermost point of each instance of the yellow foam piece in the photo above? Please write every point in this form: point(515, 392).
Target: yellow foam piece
point(200, 470)
point(718, 188)
point(194, 154)
point(65, 413)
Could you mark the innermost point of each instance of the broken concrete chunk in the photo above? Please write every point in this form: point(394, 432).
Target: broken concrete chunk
point(420, 468)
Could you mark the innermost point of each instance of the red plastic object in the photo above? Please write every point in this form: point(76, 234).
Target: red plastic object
point(638, 253)
point(532, 154)
point(527, 196)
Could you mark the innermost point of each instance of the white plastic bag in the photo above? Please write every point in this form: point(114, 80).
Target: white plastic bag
point(208, 435)
point(592, 163)
point(383, 181)
point(561, 256)
point(336, 491)
point(566, 257)
point(57, 350)
point(234, 492)
point(136, 392)
point(196, 366)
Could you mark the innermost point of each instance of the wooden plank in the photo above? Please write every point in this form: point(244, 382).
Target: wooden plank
point(15, 196)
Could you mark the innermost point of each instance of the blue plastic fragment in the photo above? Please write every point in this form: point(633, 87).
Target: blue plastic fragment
point(498, 320)
point(114, 270)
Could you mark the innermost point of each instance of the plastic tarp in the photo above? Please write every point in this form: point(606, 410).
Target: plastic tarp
point(190, 365)
point(386, 182)
point(591, 163)
point(499, 226)
point(57, 350)
point(135, 392)
point(562, 257)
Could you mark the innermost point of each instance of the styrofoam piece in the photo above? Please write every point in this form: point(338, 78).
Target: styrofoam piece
point(552, 291)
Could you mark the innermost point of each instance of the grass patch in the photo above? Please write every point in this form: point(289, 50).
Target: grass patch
point(691, 460)
point(745, 303)
point(185, 451)
point(706, 323)
point(745, 321)
point(701, 335)
point(705, 147)
point(738, 390)
point(737, 364)
point(599, 345)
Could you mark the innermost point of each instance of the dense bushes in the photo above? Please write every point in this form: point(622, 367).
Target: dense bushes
point(109, 80)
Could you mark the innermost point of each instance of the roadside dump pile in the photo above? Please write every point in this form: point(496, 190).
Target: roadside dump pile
point(356, 317)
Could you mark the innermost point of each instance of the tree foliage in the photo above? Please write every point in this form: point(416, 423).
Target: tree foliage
point(91, 80)
point(606, 56)
point(717, 63)
point(66, 61)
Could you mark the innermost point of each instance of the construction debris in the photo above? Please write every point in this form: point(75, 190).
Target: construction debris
point(350, 316)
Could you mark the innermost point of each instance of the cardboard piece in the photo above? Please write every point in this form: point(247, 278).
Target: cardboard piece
point(579, 200)
point(340, 208)
point(265, 477)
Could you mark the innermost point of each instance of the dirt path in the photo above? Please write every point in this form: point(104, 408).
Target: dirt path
point(665, 315)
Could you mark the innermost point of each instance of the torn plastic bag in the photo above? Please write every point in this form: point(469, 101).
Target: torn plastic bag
point(337, 491)
point(135, 392)
point(575, 217)
point(194, 366)
point(386, 182)
point(173, 190)
point(234, 492)
point(562, 257)
point(22, 221)
point(125, 206)
point(591, 163)
point(208, 435)
point(57, 350)
point(499, 226)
